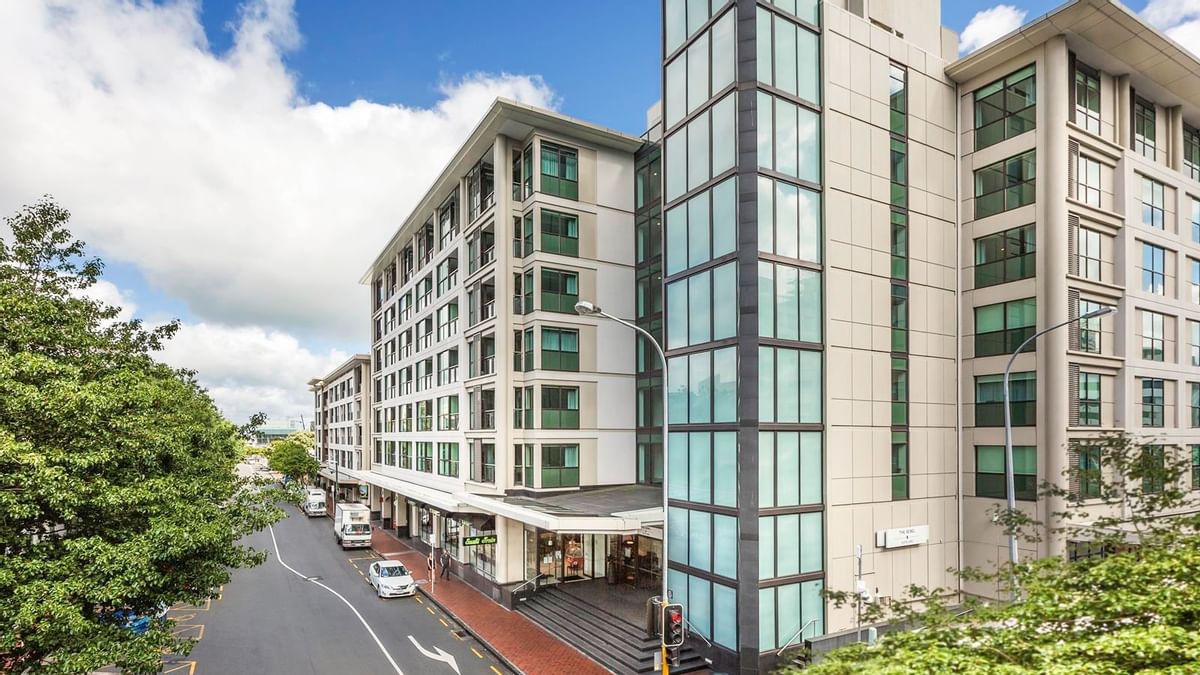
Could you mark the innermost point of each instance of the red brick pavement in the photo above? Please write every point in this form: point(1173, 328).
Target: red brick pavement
point(523, 643)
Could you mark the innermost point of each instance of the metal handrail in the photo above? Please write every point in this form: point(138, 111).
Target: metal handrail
point(535, 578)
point(689, 623)
point(798, 634)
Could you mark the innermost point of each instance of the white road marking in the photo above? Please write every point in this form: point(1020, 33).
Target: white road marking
point(439, 656)
point(366, 625)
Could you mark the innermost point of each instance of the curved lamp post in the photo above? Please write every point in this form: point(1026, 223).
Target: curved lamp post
point(1008, 447)
point(586, 308)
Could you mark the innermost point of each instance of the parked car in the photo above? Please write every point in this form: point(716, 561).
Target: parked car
point(134, 623)
point(391, 579)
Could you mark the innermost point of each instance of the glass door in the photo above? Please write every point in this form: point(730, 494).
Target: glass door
point(573, 557)
point(531, 554)
point(549, 558)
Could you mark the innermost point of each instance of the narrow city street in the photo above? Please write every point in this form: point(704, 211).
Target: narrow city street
point(320, 616)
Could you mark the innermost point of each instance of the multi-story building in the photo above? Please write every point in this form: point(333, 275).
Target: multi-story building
point(494, 401)
point(339, 426)
point(839, 231)
point(1080, 189)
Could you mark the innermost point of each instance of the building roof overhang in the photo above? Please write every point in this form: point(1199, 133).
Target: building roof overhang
point(341, 369)
point(515, 120)
point(618, 509)
point(1107, 35)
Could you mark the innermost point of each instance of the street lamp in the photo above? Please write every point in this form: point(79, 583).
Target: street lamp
point(1008, 448)
point(586, 308)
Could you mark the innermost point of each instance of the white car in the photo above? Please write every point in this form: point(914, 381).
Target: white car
point(391, 579)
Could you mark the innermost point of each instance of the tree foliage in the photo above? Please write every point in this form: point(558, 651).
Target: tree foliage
point(1136, 609)
point(292, 456)
point(117, 484)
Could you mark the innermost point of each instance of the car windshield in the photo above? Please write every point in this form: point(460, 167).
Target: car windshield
point(358, 528)
point(396, 571)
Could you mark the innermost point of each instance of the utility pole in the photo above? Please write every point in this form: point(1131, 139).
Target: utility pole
point(860, 589)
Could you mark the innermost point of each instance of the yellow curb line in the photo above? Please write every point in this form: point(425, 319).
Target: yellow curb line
point(477, 652)
point(444, 623)
point(497, 672)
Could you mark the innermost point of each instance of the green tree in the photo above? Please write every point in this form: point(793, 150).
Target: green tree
point(117, 483)
point(1133, 609)
point(292, 456)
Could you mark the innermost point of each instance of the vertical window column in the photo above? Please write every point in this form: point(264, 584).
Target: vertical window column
point(898, 228)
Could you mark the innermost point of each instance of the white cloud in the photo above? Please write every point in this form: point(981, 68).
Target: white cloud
point(214, 177)
point(989, 25)
point(209, 172)
point(1179, 19)
point(107, 292)
point(249, 369)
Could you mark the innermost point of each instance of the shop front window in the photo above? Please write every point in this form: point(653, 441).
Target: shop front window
point(450, 538)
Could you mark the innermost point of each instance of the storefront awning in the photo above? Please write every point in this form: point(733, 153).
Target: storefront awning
point(621, 509)
point(439, 499)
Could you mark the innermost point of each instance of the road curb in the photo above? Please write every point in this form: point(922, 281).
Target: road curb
point(467, 627)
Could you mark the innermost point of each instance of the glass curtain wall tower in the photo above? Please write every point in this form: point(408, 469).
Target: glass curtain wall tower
point(742, 270)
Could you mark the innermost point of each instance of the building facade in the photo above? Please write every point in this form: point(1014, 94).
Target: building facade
point(491, 395)
point(340, 429)
point(839, 231)
point(1080, 189)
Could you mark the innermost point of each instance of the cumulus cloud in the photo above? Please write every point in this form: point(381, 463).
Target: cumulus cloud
point(249, 369)
point(989, 25)
point(106, 292)
point(1179, 19)
point(209, 171)
point(217, 179)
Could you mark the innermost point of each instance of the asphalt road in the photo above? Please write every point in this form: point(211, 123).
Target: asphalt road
point(270, 620)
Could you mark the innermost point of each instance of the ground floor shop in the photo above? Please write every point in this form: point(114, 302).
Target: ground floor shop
point(556, 557)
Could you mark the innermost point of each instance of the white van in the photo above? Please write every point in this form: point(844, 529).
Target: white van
point(314, 502)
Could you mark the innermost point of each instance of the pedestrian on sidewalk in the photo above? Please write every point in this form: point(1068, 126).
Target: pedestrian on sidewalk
point(445, 564)
point(429, 563)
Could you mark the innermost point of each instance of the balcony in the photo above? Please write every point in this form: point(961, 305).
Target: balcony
point(406, 424)
point(487, 365)
point(488, 311)
point(425, 423)
point(488, 419)
point(448, 422)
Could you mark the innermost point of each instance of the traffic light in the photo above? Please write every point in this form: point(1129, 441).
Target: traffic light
point(673, 632)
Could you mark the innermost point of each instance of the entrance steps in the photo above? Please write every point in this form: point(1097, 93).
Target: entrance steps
point(605, 638)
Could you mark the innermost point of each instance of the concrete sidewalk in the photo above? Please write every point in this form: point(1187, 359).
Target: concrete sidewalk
point(527, 647)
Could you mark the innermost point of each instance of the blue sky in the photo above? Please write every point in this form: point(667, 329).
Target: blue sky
point(397, 52)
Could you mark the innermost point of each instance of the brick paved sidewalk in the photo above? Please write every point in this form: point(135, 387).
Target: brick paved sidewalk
point(523, 643)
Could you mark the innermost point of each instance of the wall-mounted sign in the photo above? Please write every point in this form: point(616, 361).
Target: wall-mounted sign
point(902, 536)
point(481, 539)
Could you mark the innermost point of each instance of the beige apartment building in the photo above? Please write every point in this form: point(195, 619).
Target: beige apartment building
point(1079, 183)
point(503, 422)
point(340, 400)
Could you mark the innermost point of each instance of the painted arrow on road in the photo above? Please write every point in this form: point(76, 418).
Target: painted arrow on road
point(439, 656)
